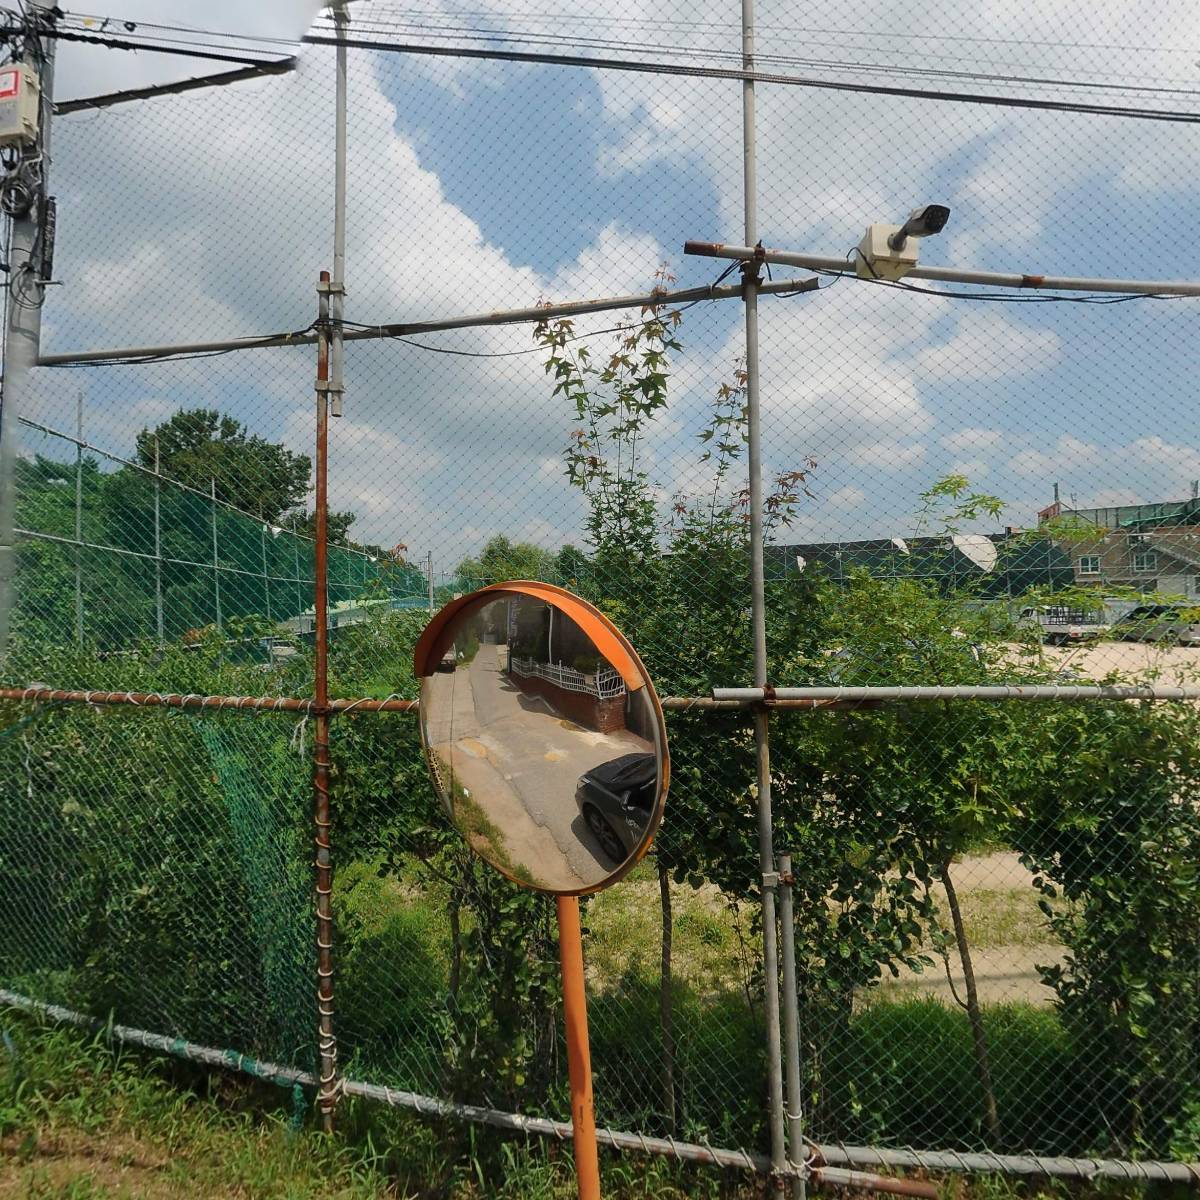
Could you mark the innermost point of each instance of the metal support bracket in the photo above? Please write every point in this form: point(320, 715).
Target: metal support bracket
point(751, 268)
point(334, 287)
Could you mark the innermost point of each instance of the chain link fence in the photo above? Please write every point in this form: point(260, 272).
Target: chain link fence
point(995, 903)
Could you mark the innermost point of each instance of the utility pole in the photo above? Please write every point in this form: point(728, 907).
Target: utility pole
point(429, 571)
point(27, 261)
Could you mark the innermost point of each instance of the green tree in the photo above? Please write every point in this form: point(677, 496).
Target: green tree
point(1106, 812)
point(503, 559)
point(571, 565)
point(201, 446)
point(337, 525)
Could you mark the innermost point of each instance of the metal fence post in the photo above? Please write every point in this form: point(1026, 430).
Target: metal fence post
point(216, 562)
point(759, 614)
point(158, 594)
point(296, 572)
point(266, 577)
point(79, 517)
point(791, 1027)
point(326, 1042)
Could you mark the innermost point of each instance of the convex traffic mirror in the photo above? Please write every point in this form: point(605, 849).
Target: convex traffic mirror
point(543, 734)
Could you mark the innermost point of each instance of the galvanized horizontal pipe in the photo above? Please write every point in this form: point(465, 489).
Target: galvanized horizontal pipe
point(513, 316)
point(1001, 279)
point(396, 1098)
point(788, 697)
point(827, 1155)
point(983, 1162)
point(178, 1047)
point(558, 1130)
point(426, 1105)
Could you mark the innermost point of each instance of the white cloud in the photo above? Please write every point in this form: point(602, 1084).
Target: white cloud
point(209, 214)
point(972, 439)
point(989, 345)
point(973, 469)
point(847, 497)
point(887, 455)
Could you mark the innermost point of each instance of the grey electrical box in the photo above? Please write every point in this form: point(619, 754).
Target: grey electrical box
point(20, 97)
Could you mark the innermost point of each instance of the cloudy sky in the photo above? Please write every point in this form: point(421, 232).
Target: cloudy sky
point(478, 185)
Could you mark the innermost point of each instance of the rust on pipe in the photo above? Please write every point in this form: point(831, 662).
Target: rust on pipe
point(326, 1042)
point(579, 1057)
point(866, 1182)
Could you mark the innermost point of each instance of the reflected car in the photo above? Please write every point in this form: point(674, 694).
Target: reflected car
point(447, 662)
point(616, 799)
point(1174, 623)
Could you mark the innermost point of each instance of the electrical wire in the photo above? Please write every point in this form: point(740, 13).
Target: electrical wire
point(1005, 297)
point(660, 68)
point(501, 36)
point(497, 36)
point(597, 62)
point(732, 27)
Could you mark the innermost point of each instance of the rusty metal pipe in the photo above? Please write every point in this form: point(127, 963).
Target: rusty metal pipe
point(703, 704)
point(41, 695)
point(865, 1182)
point(326, 1042)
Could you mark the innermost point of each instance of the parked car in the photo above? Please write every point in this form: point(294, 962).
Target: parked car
point(1063, 623)
point(616, 800)
point(1176, 623)
point(448, 662)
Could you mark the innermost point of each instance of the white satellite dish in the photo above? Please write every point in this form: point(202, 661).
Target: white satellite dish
point(900, 545)
point(978, 547)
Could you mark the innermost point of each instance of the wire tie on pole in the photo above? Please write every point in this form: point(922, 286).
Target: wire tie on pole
point(298, 735)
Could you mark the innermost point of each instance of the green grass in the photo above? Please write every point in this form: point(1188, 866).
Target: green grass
point(1002, 917)
point(77, 1121)
point(81, 1121)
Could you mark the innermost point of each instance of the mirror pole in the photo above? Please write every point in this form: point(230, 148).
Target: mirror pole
point(579, 1057)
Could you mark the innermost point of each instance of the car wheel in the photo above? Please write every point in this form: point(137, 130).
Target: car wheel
point(603, 832)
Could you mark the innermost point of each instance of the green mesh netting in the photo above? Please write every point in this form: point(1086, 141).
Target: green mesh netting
point(155, 866)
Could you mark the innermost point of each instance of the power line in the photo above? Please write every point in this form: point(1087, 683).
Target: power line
point(732, 27)
point(537, 37)
point(196, 48)
point(660, 68)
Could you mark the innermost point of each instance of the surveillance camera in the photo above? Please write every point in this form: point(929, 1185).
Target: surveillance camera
point(921, 223)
